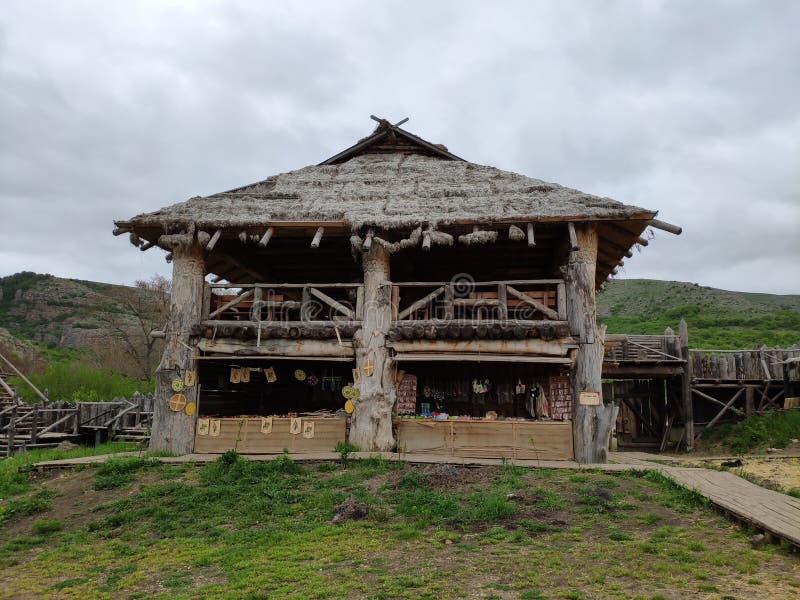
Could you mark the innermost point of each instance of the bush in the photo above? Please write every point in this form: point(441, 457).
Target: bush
point(775, 428)
point(116, 472)
point(24, 507)
point(73, 381)
point(47, 526)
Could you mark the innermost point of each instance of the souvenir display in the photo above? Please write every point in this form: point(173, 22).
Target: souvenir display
point(407, 395)
point(312, 380)
point(190, 408)
point(236, 375)
point(295, 425)
point(177, 384)
point(202, 426)
point(300, 375)
point(189, 379)
point(266, 425)
point(244, 375)
point(270, 375)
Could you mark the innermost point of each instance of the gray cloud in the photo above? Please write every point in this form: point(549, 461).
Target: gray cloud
point(108, 109)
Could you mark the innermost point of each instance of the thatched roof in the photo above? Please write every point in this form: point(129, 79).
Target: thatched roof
point(392, 179)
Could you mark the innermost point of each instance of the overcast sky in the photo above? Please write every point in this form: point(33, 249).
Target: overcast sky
point(110, 109)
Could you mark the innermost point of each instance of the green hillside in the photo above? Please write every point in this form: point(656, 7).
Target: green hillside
point(716, 318)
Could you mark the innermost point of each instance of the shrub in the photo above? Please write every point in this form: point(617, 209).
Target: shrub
point(73, 381)
point(47, 526)
point(116, 472)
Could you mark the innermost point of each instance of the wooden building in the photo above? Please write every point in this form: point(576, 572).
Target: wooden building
point(449, 306)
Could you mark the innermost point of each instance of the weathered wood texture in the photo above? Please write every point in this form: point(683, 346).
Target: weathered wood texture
point(591, 425)
point(686, 386)
point(173, 431)
point(245, 437)
point(371, 425)
point(546, 440)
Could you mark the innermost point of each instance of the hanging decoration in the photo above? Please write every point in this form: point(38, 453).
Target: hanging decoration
point(350, 392)
point(190, 408)
point(295, 425)
point(244, 375)
point(189, 379)
point(356, 376)
point(308, 429)
point(202, 426)
point(349, 407)
point(215, 427)
point(300, 375)
point(177, 384)
point(312, 380)
point(236, 375)
point(270, 375)
point(520, 388)
point(266, 425)
point(177, 402)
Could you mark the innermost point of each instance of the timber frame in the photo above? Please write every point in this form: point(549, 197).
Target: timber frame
point(416, 255)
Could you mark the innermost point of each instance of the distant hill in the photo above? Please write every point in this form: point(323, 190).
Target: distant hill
point(716, 318)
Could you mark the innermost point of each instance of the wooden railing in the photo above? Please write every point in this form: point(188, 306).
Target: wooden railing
point(642, 349)
point(763, 364)
point(466, 300)
point(282, 303)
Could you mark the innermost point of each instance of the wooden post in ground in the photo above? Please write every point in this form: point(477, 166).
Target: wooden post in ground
point(12, 430)
point(591, 424)
point(371, 424)
point(748, 399)
point(686, 385)
point(173, 431)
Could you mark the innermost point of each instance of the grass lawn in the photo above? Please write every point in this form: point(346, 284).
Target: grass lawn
point(133, 528)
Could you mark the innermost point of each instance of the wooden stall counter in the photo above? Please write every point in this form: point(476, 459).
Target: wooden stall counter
point(269, 435)
point(543, 440)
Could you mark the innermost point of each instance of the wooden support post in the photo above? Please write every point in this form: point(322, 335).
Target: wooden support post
point(502, 297)
point(531, 239)
point(591, 425)
point(317, 237)
point(561, 301)
point(748, 400)
point(426, 241)
point(686, 385)
point(371, 422)
point(35, 425)
point(266, 237)
point(12, 431)
point(723, 411)
point(173, 431)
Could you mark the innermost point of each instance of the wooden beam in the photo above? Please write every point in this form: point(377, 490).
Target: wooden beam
point(641, 241)
point(573, 238)
point(232, 303)
point(146, 246)
point(121, 230)
point(545, 310)
point(531, 239)
point(332, 303)
point(317, 237)
point(367, 244)
point(723, 411)
point(426, 241)
point(668, 227)
point(214, 239)
point(420, 303)
point(714, 400)
point(266, 237)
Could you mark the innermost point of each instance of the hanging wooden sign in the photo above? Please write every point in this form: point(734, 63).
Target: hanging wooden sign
point(177, 384)
point(244, 375)
point(215, 427)
point(202, 426)
point(589, 398)
point(295, 425)
point(308, 429)
point(190, 409)
point(270, 375)
point(266, 425)
point(177, 402)
point(236, 375)
point(356, 375)
point(189, 379)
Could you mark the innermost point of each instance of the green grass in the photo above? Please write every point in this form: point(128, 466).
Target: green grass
point(15, 471)
point(757, 432)
point(73, 381)
point(250, 529)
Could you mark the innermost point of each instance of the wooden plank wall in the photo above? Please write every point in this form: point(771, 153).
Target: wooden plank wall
point(244, 436)
point(545, 440)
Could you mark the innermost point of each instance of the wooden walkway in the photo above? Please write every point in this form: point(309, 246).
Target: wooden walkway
point(773, 512)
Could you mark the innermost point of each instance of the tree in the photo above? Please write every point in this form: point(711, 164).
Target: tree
point(139, 310)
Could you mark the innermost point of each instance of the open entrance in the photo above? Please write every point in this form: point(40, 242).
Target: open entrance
point(266, 406)
point(484, 409)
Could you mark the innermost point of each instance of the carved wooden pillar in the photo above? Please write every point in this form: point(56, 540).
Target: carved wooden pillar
point(591, 425)
point(371, 422)
point(174, 430)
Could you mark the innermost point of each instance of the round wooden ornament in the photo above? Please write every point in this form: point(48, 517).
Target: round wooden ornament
point(349, 407)
point(190, 408)
point(177, 384)
point(177, 402)
point(300, 375)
